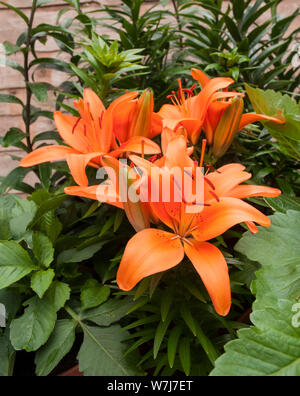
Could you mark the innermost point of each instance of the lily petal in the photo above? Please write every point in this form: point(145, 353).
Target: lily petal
point(225, 179)
point(211, 265)
point(99, 193)
point(201, 77)
point(95, 103)
point(74, 138)
point(253, 117)
point(149, 252)
point(223, 215)
point(78, 163)
point(248, 191)
point(46, 154)
point(171, 115)
point(108, 122)
point(252, 227)
point(139, 145)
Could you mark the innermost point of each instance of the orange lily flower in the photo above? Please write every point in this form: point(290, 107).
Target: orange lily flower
point(94, 133)
point(190, 111)
point(153, 251)
point(225, 118)
point(214, 110)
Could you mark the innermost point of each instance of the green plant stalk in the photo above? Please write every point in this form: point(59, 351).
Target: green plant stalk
point(177, 16)
point(26, 76)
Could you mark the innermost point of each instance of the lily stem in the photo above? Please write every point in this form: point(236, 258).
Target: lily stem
point(27, 117)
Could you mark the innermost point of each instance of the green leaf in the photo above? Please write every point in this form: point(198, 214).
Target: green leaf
point(40, 91)
point(173, 341)
point(160, 333)
point(5, 98)
point(7, 202)
point(42, 249)
point(188, 318)
point(272, 347)
point(77, 256)
point(11, 299)
point(108, 313)
point(14, 181)
point(284, 203)
point(23, 213)
point(278, 250)
point(58, 294)
point(185, 355)
point(13, 137)
point(93, 294)
point(10, 48)
point(269, 102)
point(41, 281)
point(45, 171)
point(167, 300)
point(102, 353)
point(57, 347)
point(7, 354)
point(34, 327)
point(15, 263)
point(17, 11)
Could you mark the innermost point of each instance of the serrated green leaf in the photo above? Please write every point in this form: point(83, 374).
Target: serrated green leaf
point(7, 202)
point(7, 354)
point(272, 347)
point(58, 294)
point(109, 312)
point(93, 294)
point(11, 299)
point(42, 249)
point(22, 215)
point(34, 327)
point(269, 102)
point(57, 347)
point(41, 281)
point(15, 263)
point(102, 353)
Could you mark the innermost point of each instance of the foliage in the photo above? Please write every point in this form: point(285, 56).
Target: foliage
point(151, 32)
point(272, 347)
point(45, 267)
point(59, 255)
point(287, 135)
point(230, 40)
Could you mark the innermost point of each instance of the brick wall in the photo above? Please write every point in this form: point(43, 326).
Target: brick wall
point(11, 81)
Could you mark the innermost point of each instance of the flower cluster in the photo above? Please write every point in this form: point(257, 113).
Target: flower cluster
point(183, 223)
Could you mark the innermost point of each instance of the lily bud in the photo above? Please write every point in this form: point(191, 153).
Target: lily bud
point(125, 179)
point(227, 127)
point(142, 122)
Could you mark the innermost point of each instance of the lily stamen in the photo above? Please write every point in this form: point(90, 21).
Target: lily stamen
point(215, 196)
point(75, 125)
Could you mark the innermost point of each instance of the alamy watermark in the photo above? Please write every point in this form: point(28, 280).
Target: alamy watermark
point(153, 185)
point(296, 58)
point(296, 317)
point(2, 315)
point(2, 56)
